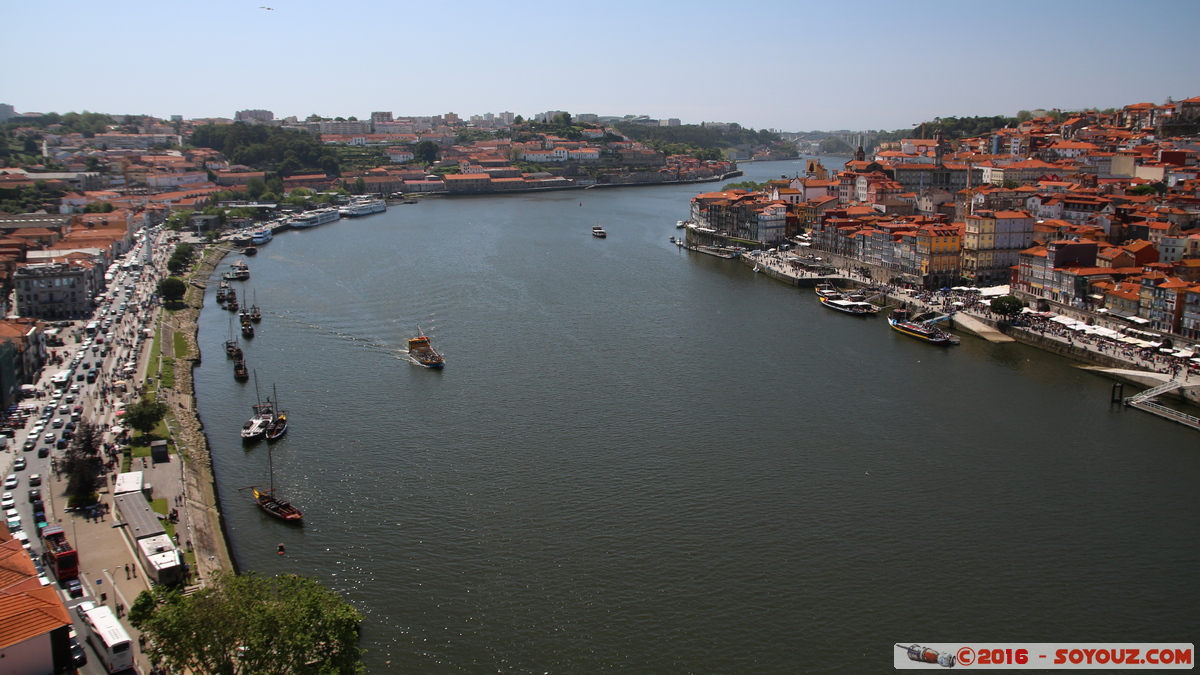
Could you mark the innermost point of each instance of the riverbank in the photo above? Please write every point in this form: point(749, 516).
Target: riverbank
point(213, 552)
point(970, 315)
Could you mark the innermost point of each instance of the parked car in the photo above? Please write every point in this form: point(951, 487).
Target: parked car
point(78, 655)
point(11, 481)
point(7, 501)
point(57, 423)
point(35, 480)
point(35, 495)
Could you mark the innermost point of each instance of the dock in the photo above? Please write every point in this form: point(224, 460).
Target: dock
point(1145, 401)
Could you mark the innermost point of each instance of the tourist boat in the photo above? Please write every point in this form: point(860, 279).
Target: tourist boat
point(240, 371)
point(828, 290)
point(901, 320)
point(250, 250)
point(256, 426)
point(279, 424)
point(422, 353)
point(261, 236)
point(850, 305)
point(679, 224)
point(240, 270)
point(598, 231)
point(363, 206)
point(314, 218)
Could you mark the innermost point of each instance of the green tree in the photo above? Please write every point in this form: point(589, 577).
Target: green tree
point(172, 289)
point(81, 464)
point(360, 186)
point(285, 625)
point(99, 207)
point(255, 187)
point(144, 415)
point(275, 184)
point(426, 152)
point(518, 120)
point(1007, 306)
point(1024, 116)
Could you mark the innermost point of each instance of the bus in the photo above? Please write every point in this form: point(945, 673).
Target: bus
point(59, 554)
point(109, 639)
point(91, 327)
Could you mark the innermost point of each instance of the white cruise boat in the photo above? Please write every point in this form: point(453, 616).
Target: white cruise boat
point(261, 236)
point(363, 206)
point(314, 218)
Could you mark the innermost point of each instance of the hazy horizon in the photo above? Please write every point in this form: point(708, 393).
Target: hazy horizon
point(788, 66)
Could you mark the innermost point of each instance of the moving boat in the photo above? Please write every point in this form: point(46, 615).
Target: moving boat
point(902, 321)
point(422, 353)
point(850, 305)
point(278, 426)
point(273, 505)
point(598, 231)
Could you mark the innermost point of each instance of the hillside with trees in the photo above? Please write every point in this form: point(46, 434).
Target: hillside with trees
point(284, 151)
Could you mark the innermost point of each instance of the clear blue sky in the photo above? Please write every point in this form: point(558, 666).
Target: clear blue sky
point(792, 66)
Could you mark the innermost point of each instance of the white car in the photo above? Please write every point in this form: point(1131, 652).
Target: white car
point(8, 502)
point(57, 423)
point(11, 482)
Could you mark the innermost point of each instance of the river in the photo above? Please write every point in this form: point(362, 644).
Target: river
point(640, 459)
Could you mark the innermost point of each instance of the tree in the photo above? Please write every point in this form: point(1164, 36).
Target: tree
point(288, 625)
point(360, 186)
point(1007, 306)
point(144, 415)
point(172, 289)
point(518, 120)
point(81, 464)
point(426, 152)
point(255, 187)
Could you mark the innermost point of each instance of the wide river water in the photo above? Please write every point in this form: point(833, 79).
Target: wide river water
point(640, 459)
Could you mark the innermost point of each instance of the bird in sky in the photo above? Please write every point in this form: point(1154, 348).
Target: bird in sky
point(269, 9)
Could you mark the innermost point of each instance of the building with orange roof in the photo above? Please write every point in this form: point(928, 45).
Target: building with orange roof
point(34, 623)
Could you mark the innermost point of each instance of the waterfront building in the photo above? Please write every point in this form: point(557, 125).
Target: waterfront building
point(992, 242)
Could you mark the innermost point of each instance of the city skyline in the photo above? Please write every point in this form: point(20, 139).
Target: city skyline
point(787, 66)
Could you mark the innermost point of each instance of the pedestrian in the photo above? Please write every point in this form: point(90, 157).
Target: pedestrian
point(126, 571)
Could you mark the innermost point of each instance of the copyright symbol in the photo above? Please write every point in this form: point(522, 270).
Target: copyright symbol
point(966, 656)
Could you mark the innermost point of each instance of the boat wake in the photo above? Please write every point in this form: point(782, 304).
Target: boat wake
point(372, 344)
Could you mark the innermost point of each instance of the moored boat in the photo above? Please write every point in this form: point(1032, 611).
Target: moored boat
point(250, 250)
point(279, 424)
point(363, 206)
point(828, 290)
point(256, 426)
point(902, 321)
point(247, 328)
point(240, 270)
point(422, 353)
point(277, 507)
point(315, 218)
point(849, 306)
point(240, 371)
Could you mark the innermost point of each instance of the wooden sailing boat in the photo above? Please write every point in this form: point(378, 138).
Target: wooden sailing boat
point(279, 423)
point(273, 505)
point(255, 313)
